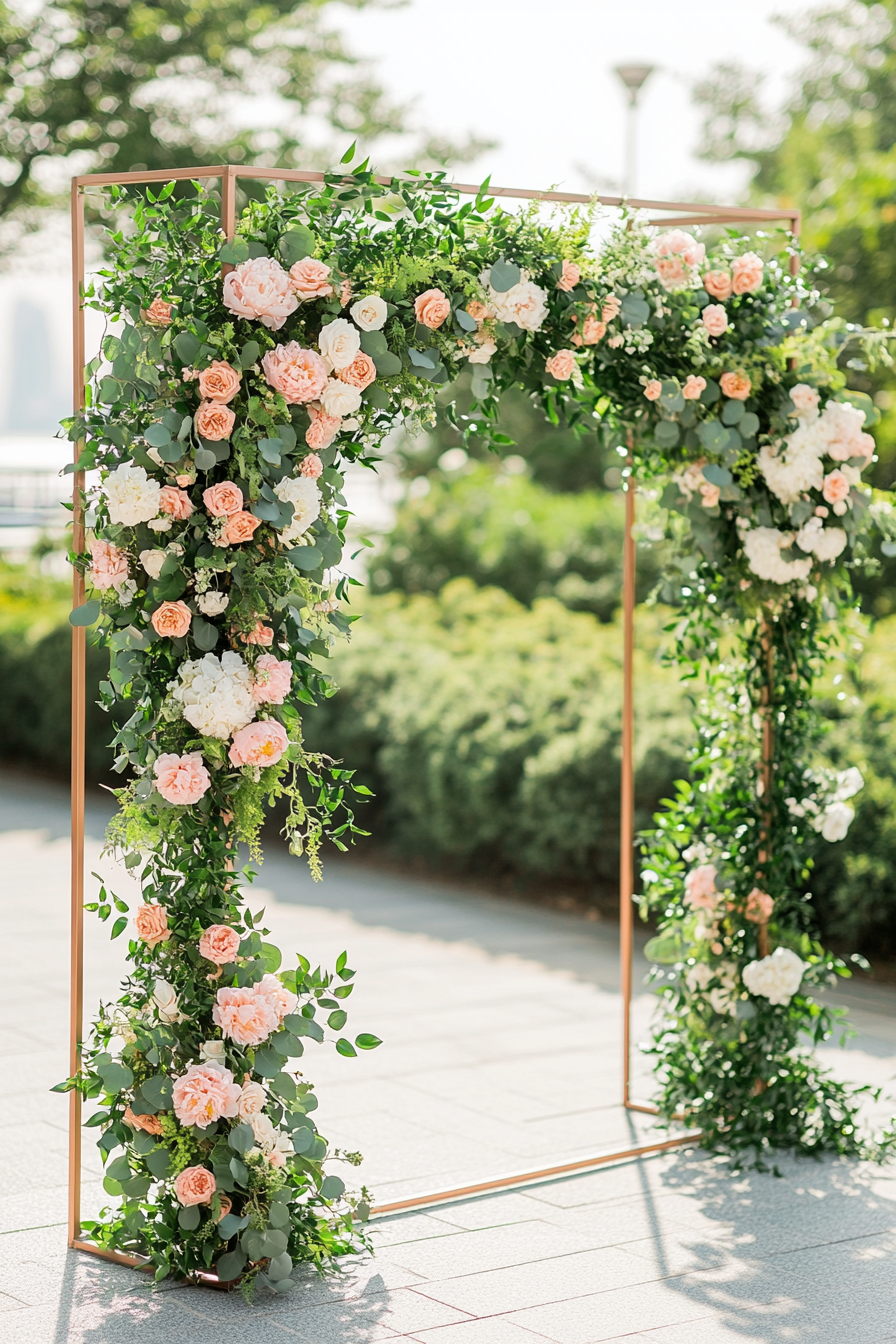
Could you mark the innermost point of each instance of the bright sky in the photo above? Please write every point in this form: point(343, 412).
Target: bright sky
point(538, 78)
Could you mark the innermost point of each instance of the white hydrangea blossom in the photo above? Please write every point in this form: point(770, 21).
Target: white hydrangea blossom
point(776, 978)
point(762, 546)
point(793, 465)
point(723, 997)
point(824, 542)
point(132, 497)
point(304, 496)
point(835, 821)
point(216, 694)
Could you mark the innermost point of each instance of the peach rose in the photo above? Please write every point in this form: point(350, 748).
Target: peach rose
point(219, 944)
point(360, 373)
point(759, 907)
point(672, 271)
point(715, 319)
point(175, 502)
point(654, 390)
point(109, 566)
point(736, 385)
point(569, 276)
point(214, 421)
point(593, 331)
point(283, 1000)
point(252, 1100)
point(151, 923)
point(309, 279)
point(700, 888)
point(709, 495)
point(561, 365)
point(322, 430)
point(272, 680)
point(718, 284)
point(260, 634)
point(836, 487)
point(223, 500)
point(611, 308)
point(239, 527)
point(204, 1094)
point(261, 743)
point(219, 382)
point(150, 1124)
point(185, 480)
point(298, 375)
point(244, 1015)
point(311, 466)
point(478, 311)
point(194, 1185)
point(171, 620)
point(260, 288)
point(182, 780)
point(345, 292)
point(693, 387)
point(746, 273)
point(431, 308)
point(158, 314)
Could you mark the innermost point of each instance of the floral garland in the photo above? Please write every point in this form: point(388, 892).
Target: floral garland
point(220, 416)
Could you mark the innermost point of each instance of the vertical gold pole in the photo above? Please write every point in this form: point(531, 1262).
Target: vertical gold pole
point(228, 202)
point(627, 793)
point(78, 715)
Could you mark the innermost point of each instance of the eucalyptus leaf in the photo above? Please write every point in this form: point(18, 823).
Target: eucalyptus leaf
point(204, 634)
point(231, 1265)
point(187, 346)
point(332, 1187)
point(504, 275)
point(86, 614)
point(157, 434)
point(205, 459)
point(188, 1218)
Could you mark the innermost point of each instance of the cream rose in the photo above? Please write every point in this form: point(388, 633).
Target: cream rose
point(339, 342)
point(370, 313)
point(339, 398)
point(260, 288)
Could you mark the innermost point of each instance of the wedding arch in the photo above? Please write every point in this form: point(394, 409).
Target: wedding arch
point(255, 353)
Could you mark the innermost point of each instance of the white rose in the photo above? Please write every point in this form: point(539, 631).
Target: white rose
point(835, 821)
point(161, 524)
point(370, 313)
point(165, 999)
point(340, 398)
point(525, 304)
point(152, 562)
point(805, 401)
point(776, 978)
point(339, 342)
point(303, 494)
point(263, 1129)
point(131, 495)
point(251, 1100)
point(849, 782)
point(212, 1052)
point(212, 603)
point(483, 353)
point(126, 591)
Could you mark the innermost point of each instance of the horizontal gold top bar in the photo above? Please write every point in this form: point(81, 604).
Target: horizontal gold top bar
point(702, 212)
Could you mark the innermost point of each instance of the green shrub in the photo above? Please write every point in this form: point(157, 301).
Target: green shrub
point(504, 529)
point(491, 733)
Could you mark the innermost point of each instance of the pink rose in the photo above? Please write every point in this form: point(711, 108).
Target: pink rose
point(736, 385)
point(693, 387)
point(244, 1015)
point(593, 331)
point(431, 308)
point(311, 466)
point(171, 620)
point(185, 480)
point(158, 314)
point(805, 399)
point(718, 284)
point(715, 319)
point(561, 365)
point(260, 288)
point(836, 487)
point(298, 375)
point(194, 1185)
point(611, 308)
point(360, 373)
point(309, 279)
point(283, 1001)
point(746, 273)
point(322, 430)
point(219, 382)
point(272, 680)
point(759, 907)
point(654, 390)
point(700, 888)
point(219, 944)
point(204, 1094)
point(569, 276)
point(175, 502)
point(151, 923)
point(223, 500)
point(672, 271)
point(182, 779)
point(214, 421)
point(345, 292)
point(261, 744)
point(239, 527)
point(110, 565)
point(260, 634)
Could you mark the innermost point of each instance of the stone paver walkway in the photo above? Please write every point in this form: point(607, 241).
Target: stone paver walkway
point(500, 1024)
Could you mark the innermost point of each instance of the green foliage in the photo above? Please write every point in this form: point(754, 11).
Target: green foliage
point(491, 734)
point(501, 528)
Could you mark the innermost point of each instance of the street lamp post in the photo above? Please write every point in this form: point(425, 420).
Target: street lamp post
point(634, 77)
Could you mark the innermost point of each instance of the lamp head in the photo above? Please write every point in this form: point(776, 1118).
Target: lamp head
point(634, 77)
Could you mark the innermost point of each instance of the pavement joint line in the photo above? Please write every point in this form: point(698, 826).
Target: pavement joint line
point(38, 1227)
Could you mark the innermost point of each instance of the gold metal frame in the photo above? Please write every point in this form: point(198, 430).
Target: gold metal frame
point(674, 213)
